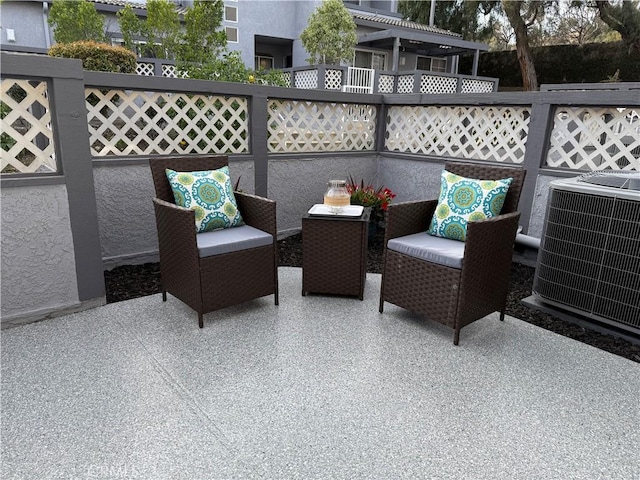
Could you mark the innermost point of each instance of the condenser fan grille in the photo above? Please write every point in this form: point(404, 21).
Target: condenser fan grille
point(589, 259)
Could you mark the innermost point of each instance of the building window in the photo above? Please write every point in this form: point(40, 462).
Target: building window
point(231, 14)
point(431, 64)
point(263, 62)
point(365, 59)
point(232, 34)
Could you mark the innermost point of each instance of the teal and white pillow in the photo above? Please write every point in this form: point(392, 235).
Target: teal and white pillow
point(209, 194)
point(463, 200)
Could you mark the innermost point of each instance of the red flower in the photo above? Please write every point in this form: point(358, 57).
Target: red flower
point(369, 196)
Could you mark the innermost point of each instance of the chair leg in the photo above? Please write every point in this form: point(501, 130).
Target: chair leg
point(164, 295)
point(502, 315)
point(381, 306)
point(200, 320)
point(456, 336)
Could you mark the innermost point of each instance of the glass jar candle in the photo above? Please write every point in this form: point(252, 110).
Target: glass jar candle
point(337, 197)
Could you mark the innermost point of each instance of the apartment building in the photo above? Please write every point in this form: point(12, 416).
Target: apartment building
point(267, 33)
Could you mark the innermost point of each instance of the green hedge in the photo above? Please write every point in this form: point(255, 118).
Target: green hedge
point(590, 63)
point(97, 56)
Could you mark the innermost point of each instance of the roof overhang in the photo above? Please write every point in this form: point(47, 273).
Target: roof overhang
point(420, 42)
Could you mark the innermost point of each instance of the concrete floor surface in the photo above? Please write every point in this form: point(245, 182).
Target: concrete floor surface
point(317, 387)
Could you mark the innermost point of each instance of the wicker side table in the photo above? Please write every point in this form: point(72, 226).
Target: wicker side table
point(334, 254)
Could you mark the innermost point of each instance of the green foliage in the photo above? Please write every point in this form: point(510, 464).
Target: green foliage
point(270, 77)
point(97, 56)
point(457, 16)
point(378, 199)
point(330, 36)
point(75, 21)
point(589, 63)
point(203, 39)
point(162, 28)
point(623, 17)
point(130, 26)
point(229, 67)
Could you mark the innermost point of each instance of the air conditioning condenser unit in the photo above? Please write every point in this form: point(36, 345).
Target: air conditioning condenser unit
point(589, 258)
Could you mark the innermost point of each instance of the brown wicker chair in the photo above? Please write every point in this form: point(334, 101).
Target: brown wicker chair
point(454, 297)
point(210, 283)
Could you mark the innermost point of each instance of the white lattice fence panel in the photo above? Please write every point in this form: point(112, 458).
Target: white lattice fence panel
point(476, 86)
point(586, 138)
point(299, 126)
point(130, 122)
point(405, 83)
point(144, 68)
point(385, 83)
point(287, 78)
point(26, 138)
point(169, 71)
point(307, 79)
point(483, 133)
point(438, 84)
point(333, 79)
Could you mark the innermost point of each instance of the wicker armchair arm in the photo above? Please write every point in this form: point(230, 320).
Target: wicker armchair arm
point(486, 268)
point(491, 237)
point(258, 212)
point(176, 230)
point(408, 217)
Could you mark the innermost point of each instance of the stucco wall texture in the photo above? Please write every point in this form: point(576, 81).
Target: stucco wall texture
point(38, 262)
point(124, 196)
point(125, 211)
point(126, 219)
point(539, 206)
point(297, 184)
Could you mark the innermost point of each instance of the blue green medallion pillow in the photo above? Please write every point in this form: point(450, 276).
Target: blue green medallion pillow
point(464, 200)
point(209, 194)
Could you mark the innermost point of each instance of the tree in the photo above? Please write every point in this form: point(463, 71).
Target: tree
point(76, 21)
point(203, 39)
point(521, 16)
point(458, 16)
point(576, 25)
point(130, 26)
point(625, 18)
point(330, 36)
point(162, 28)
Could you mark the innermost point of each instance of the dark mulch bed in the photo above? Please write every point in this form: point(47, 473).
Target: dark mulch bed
point(131, 281)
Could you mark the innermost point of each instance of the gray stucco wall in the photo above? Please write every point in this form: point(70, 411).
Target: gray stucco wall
point(38, 263)
point(539, 206)
point(126, 218)
point(420, 180)
point(127, 222)
point(26, 19)
point(271, 18)
point(298, 184)
point(125, 214)
point(410, 180)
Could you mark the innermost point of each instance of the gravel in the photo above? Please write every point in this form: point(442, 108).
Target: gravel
point(131, 281)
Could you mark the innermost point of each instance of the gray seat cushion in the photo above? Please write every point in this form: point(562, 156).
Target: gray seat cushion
point(231, 240)
point(442, 251)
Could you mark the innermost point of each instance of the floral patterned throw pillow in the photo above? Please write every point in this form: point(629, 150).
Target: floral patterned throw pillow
point(209, 194)
point(463, 200)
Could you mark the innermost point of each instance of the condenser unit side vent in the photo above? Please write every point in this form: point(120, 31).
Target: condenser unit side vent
point(589, 258)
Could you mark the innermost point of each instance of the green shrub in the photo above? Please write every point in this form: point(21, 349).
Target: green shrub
point(97, 56)
point(589, 63)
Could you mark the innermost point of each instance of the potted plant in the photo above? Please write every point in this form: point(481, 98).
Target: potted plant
point(369, 196)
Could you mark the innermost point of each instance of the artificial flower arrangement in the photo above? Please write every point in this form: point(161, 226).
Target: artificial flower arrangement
point(369, 196)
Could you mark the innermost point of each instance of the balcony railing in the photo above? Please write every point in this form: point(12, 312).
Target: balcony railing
point(335, 77)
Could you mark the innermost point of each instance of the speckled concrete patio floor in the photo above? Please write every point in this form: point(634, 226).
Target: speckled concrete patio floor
point(317, 387)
